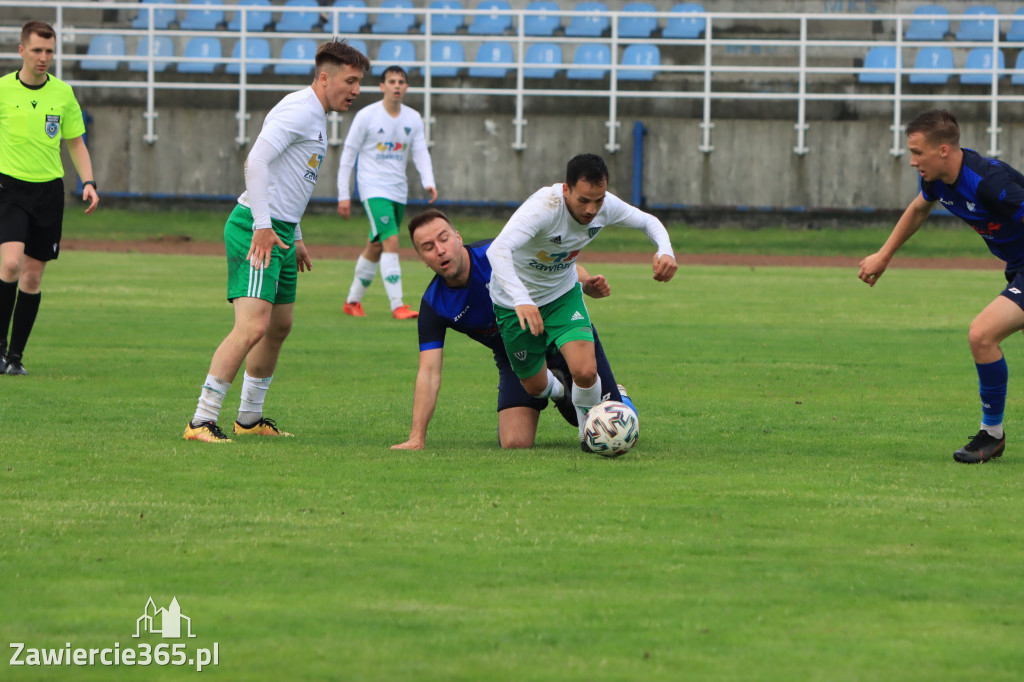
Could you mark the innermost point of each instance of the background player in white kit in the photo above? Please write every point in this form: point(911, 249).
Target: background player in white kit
point(280, 174)
point(536, 292)
point(383, 135)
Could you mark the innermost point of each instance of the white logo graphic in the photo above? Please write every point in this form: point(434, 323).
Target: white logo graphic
point(170, 621)
point(970, 207)
point(576, 316)
point(385, 219)
point(1015, 290)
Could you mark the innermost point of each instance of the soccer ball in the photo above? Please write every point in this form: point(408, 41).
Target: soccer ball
point(611, 429)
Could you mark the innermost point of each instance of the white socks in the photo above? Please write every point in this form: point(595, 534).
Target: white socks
point(996, 431)
point(254, 391)
point(211, 399)
point(584, 399)
point(366, 270)
point(555, 389)
point(391, 272)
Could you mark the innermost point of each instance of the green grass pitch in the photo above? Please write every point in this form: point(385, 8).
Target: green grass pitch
point(792, 511)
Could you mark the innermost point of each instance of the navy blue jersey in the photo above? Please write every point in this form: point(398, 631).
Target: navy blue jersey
point(989, 196)
point(467, 310)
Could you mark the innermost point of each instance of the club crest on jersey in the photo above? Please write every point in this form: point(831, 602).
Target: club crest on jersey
point(52, 125)
point(591, 231)
point(520, 355)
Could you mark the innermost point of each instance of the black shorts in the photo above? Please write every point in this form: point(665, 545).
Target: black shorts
point(32, 213)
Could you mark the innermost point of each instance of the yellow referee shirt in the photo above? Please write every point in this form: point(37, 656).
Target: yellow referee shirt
point(32, 124)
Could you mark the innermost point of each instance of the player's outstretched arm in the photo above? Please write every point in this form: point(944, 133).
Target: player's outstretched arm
point(872, 267)
point(428, 385)
point(665, 267)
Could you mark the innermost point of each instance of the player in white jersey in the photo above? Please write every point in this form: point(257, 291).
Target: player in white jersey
point(264, 241)
point(534, 287)
point(383, 136)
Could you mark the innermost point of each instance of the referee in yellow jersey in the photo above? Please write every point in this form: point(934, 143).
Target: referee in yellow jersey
point(36, 112)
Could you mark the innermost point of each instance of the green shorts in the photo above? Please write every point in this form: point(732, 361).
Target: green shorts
point(275, 283)
point(565, 319)
point(385, 218)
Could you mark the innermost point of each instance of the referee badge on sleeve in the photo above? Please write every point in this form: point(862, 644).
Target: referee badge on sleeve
point(52, 125)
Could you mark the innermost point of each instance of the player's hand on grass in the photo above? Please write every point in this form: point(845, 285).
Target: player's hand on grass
point(664, 267)
point(872, 267)
point(302, 257)
point(89, 194)
point(263, 243)
point(345, 208)
point(596, 286)
point(530, 319)
point(408, 445)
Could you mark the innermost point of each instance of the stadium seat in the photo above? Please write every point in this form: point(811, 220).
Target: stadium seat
point(206, 49)
point(591, 25)
point(542, 53)
point(590, 55)
point(162, 47)
point(1018, 78)
point(392, 52)
point(492, 52)
point(349, 22)
point(642, 24)
point(937, 61)
point(257, 56)
point(162, 18)
point(685, 26)
point(883, 57)
point(491, 24)
point(301, 51)
point(255, 19)
point(449, 21)
point(1016, 32)
point(446, 51)
point(542, 24)
point(977, 28)
point(299, 22)
point(928, 29)
point(640, 55)
point(101, 48)
point(203, 15)
point(359, 45)
point(400, 22)
point(981, 58)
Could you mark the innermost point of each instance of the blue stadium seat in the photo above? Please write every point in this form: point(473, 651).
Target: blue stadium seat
point(206, 49)
point(542, 24)
point(1018, 78)
point(684, 26)
point(101, 48)
point(590, 25)
point(446, 51)
point(391, 52)
point(883, 57)
point(543, 53)
point(257, 56)
point(203, 15)
point(162, 18)
point(981, 58)
point(492, 52)
point(1016, 32)
point(400, 22)
point(303, 51)
point(163, 46)
point(491, 24)
point(642, 24)
point(640, 55)
point(350, 22)
point(977, 28)
point(299, 22)
point(256, 19)
point(928, 29)
point(359, 45)
point(588, 56)
point(937, 61)
point(448, 22)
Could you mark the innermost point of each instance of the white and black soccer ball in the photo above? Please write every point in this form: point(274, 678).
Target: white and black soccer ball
point(611, 429)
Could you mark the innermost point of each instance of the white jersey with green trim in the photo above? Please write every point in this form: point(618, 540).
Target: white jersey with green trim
point(297, 130)
point(533, 259)
point(383, 144)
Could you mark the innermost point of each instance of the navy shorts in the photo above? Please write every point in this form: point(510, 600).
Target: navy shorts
point(512, 394)
point(32, 213)
point(1015, 287)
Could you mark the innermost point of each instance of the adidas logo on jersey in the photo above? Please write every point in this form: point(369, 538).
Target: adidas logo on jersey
point(576, 316)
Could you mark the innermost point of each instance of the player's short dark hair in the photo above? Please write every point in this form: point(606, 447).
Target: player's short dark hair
point(938, 127)
point(589, 167)
point(394, 68)
point(39, 28)
point(423, 218)
point(340, 53)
